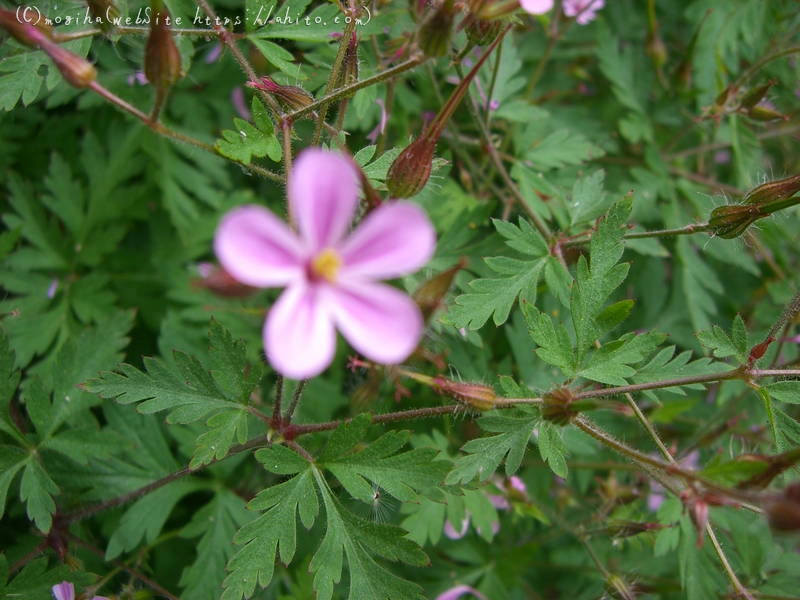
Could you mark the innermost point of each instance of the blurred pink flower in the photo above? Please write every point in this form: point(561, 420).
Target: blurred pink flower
point(237, 99)
point(372, 136)
point(66, 591)
point(458, 591)
point(584, 11)
point(536, 7)
point(330, 277)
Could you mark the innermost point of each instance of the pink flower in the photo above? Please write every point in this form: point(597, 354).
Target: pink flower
point(536, 7)
point(458, 591)
point(330, 276)
point(66, 591)
point(584, 11)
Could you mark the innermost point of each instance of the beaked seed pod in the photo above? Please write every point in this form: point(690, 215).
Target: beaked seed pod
point(774, 191)
point(475, 395)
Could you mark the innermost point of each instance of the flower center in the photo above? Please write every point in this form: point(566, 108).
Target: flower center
point(326, 265)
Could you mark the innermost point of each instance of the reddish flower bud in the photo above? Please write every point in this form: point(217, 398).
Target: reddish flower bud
point(411, 169)
point(291, 96)
point(774, 191)
point(27, 34)
point(476, 395)
point(78, 71)
point(218, 281)
point(433, 37)
point(162, 60)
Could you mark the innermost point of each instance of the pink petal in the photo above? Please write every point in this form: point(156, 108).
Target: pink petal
point(536, 7)
point(257, 248)
point(323, 196)
point(380, 322)
point(451, 532)
point(458, 591)
point(64, 591)
point(395, 239)
point(298, 335)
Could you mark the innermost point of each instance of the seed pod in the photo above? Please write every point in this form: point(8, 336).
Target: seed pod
point(411, 169)
point(430, 295)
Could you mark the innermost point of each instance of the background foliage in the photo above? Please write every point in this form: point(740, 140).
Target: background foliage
point(140, 451)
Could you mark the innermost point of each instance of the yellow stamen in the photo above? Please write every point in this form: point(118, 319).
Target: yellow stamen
point(326, 265)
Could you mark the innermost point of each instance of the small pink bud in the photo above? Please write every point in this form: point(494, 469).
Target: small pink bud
point(78, 71)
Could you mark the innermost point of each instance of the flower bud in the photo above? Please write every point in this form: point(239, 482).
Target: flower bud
point(430, 295)
point(291, 96)
point(756, 95)
point(433, 37)
point(774, 191)
point(78, 71)
point(28, 34)
point(731, 221)
point(162, 60)
point(411, 169)
point(558, 406)
point(476, 395)
point(765, 113)
point(104, 12)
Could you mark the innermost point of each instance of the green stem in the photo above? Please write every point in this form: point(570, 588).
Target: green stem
point(333, 79)
point(354, 87)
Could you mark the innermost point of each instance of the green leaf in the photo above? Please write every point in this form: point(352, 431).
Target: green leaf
point(246, 142)
point(189, 393)
point(224, 428)
point(272, 532)
point(724, 345)
point(216, 522)
point(21, 79)
point(35, 581)
point(484, 455)
point(495, 297)
point(37, 490)
point(552, 448)
point(664, 366)
point(785, 391)
point(561, 148)
point(144, 520)
point(589, 199)
point(9, 381)
point(12, 459)
point(555, 346)
point(612, 362)
point(401, 474)
point(233, 373)
point(357, 540)
point(278, 56)
point(595, 282)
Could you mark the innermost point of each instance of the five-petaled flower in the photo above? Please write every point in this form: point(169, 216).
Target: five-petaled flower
point(330, 276)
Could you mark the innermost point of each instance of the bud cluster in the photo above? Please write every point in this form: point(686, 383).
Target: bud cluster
point(733, 220)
